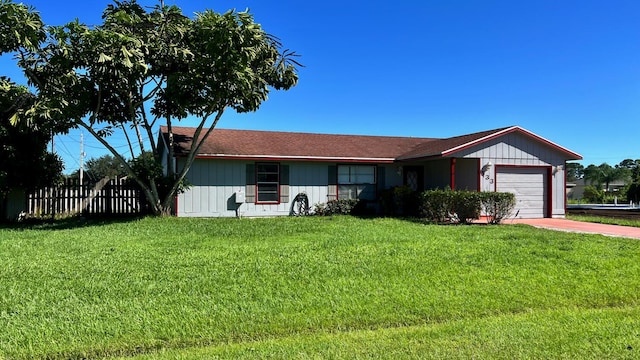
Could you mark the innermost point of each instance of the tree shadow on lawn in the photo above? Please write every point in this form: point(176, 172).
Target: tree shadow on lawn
point(71, 222)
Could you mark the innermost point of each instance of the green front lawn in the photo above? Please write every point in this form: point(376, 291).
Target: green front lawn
point(335, 287)
point(605, 220)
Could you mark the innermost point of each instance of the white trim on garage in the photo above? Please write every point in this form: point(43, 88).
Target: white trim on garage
point(530, 186)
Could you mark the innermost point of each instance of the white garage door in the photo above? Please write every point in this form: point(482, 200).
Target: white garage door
point(530, 187)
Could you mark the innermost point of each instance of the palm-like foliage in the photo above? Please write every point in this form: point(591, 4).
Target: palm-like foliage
point(604, 174)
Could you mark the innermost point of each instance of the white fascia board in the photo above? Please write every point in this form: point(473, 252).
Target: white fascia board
point(289, 157)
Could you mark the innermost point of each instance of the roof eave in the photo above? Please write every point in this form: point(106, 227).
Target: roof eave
point(297, 158)
point(571, 155)
point(419, 157)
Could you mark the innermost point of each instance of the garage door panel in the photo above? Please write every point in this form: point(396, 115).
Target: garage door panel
point(529, 192)
point(529, 187)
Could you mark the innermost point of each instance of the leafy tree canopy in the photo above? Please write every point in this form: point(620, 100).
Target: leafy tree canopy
point(105, 166)
point(604, 174)
point(24, 160)
point(575, 171)
point(633, 166)
point(145, 67)
point(20, 27)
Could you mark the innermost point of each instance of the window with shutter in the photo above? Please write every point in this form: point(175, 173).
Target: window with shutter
point(267, 183)
point(332, 189)
point(284, 184)
point(250, 188)
point(357, 182)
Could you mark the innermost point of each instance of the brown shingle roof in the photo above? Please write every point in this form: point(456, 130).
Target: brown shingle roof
point(295, 145)
point(277, 144)
point(441, 146)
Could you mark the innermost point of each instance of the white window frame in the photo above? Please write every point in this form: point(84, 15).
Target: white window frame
point(353, 179)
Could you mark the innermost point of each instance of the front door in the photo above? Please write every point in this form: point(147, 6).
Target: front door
point(414, 177)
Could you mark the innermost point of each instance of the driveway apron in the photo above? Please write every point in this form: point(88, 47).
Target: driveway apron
point(580, 227)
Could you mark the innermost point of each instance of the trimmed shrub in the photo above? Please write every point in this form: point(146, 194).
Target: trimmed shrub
point(437, 205)
point(399, 201)
point(452, 206)
point(338, 207)
point(497, 205)
point(467, 206)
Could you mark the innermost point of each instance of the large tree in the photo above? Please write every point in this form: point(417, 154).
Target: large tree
point(96, 169)
point(574, 171)
point(633, 167)
point(25, 162)
point(141, 68)
point(633, 190)
point(604, 174)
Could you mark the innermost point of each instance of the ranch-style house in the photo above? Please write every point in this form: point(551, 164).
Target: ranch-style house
point(259, 173)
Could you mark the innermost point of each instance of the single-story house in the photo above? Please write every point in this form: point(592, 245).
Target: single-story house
point(575, 190)
point(259, 173)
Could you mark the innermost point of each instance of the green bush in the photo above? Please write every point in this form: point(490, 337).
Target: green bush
point(497, 205)
point(399, 201)
point(593, 194)
point(455, 206)
point(437, 205)
point(148, 168)
point(338, 207)
point(450, 205)
point(467, 206)
point(633, 192)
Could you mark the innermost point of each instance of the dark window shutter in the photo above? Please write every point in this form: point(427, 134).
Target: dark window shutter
point(284, 183)
point(380, 178)
point(250, 189)
point(332, 181)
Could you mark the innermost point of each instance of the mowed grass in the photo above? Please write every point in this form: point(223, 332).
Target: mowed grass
point(605, 220)
point(335, 287)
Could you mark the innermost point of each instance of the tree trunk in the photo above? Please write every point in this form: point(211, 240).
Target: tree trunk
point(166, 211)
point(158, 207)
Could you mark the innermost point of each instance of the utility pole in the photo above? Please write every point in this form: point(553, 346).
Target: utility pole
point(81, 157)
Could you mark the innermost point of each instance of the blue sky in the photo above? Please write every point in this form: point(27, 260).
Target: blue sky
point(567, 70)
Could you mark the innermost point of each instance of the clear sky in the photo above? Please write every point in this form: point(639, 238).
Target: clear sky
point(566, 70)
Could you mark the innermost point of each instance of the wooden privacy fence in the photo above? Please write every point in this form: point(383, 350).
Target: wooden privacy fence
point(107, 197)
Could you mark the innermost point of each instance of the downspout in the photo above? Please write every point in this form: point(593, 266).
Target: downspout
point(479, 167)
point(453, 173)
point(550, 192)
point(564, 174)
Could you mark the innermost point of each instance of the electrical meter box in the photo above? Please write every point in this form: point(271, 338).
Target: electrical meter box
point(240, 198)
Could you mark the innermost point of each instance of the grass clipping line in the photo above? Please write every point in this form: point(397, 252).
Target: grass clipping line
point(564, 333)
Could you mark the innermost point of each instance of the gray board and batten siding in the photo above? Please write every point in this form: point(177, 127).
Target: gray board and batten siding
point(509, 155)
point(214, 183)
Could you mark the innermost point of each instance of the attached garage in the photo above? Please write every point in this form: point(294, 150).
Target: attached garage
point(530, 186)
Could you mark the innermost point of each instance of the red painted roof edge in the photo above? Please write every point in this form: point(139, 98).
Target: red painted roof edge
point(510, 130)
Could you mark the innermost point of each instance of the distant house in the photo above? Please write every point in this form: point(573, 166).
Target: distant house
point(575, 189)
point(258, 173)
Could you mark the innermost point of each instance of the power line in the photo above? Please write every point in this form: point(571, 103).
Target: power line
point(66, 150)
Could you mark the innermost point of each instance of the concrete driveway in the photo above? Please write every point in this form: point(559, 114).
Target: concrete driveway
point(580, 227)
